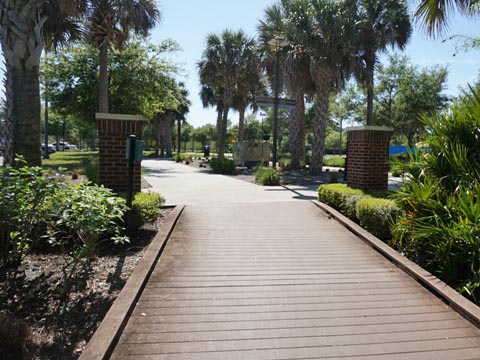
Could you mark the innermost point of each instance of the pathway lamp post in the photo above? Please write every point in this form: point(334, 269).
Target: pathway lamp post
point(277, 44)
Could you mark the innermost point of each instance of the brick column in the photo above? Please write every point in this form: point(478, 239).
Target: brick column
point(367, 157)
point(113, 131)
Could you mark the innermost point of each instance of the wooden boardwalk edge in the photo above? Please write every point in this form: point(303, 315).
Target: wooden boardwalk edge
point(463, 306)
point(106, 336)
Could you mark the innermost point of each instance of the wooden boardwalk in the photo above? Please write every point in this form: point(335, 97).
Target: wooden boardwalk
point(282, 281)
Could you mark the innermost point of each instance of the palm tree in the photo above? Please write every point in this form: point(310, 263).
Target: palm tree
point(434, 13)
point(295, 75)
point(211, 97)
point(24, 25)
point(380, 23)
point(110, 22)
point(248, 82)
point(324, 28)
point(219, 70)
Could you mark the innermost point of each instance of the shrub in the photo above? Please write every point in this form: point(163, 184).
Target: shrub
point(334, 161)
point(439, 228)
point(24, 210)
point(377, 215)
point(146, 206)
point(179, 158)
point(340, 197)
point(223, 166)
point(267, 176)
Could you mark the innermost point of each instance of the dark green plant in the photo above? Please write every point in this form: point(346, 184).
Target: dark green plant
point(24, 210)
point(85, 215)
point(267, 176)
point(377, 215)
point(223, 166)
point(440, 227)
point(146, 206)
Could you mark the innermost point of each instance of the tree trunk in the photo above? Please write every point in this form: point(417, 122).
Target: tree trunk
point(26, 115)
point(370, 96)
point(8, 126)
point(297, 132)
point(156, 130)
point(319, 129)
point(103, 78)
point(241, 124)
point(219, 126)
point(223, 133)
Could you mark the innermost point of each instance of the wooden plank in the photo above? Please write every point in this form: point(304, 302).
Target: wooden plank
point(228, 287)
point(105, 337)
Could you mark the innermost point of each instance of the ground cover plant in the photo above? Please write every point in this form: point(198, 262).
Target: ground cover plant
point(440, 225)
point(73, 162)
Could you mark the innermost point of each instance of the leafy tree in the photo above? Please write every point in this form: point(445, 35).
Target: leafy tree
point(141, 81)
point(380, 23)
point(110, 23)
point(405, 93)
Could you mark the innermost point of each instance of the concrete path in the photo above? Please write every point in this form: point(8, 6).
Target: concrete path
point(256, 273)
point(181, 184)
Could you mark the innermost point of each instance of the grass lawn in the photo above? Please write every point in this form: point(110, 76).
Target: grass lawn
point(68, 162)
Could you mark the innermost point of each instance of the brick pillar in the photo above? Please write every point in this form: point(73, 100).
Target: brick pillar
point(113, 131)
point(367, 157)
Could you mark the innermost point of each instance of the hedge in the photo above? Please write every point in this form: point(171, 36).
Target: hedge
point(374, 214)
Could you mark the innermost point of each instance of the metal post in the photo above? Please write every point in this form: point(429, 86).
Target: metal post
point(131, 169)
point(179, 134)
point(275, 107)
point(45, 149)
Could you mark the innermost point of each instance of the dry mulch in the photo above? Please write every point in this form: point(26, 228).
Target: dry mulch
point(60, 329)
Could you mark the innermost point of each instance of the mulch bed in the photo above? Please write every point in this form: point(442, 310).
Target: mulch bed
point(61, 329)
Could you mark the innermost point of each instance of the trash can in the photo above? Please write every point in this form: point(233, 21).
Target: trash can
point(206, 151)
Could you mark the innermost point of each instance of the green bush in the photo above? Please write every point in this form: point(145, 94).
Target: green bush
point(223, 166)
point(377, 215)
point(334, 161)
point(146, 206)
point(267, 176)
point(179, 158)
point(340, 197)
point(439, 227)
point(24, 210)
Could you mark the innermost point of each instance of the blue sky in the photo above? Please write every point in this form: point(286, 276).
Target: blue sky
point(190, 21)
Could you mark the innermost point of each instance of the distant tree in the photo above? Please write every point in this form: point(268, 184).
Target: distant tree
point(379, 24)
point(220, 69)
point(405, 93)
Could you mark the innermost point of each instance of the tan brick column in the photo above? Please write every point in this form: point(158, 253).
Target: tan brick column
point(367, 157)
point(113, 131)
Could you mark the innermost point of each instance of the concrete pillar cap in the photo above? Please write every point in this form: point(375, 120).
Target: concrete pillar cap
point(121, 117)
point(369, 127)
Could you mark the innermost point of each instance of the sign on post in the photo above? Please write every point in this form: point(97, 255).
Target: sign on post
point(283, 103)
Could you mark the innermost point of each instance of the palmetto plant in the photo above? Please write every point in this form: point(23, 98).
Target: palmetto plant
point(440, 227)
point(434, 14)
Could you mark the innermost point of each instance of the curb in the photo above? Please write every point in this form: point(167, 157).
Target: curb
point(460, 304)
point(103, 341)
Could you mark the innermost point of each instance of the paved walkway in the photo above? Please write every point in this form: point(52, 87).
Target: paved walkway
point(255, 273)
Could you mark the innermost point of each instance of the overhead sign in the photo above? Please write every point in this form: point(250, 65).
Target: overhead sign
point(283, 103)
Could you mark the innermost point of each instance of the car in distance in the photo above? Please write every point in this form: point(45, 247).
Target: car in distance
point(51, 148)
point(64, 146)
